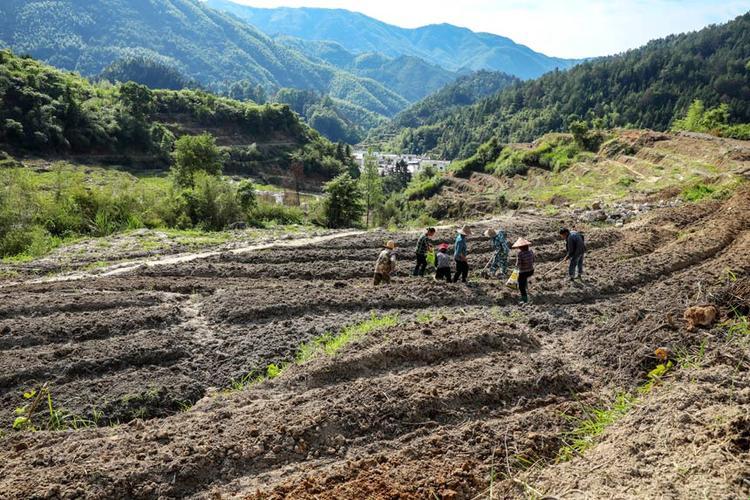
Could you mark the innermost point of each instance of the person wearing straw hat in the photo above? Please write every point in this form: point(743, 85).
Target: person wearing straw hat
point(385, 264)
point(525, 265)
point(459, 254)
point(502, 249)
point(443, 261)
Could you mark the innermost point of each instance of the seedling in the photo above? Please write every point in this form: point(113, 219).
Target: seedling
point(27, 418)
point(583, 436)
point(424, 317)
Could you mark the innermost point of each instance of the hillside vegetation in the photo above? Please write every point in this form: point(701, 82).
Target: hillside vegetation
point(438, 106)
point(643, 88)
point(557, 172)
point(452, 47)
point(205, 45)
point(47, 111)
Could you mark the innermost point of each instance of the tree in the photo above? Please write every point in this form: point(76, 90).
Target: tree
point(693, 118)
point(342, 205)
point(371, 185)
point(247, 196)
point(195, 153)
point(396, 177)
point(138, 99)
point(580, 130)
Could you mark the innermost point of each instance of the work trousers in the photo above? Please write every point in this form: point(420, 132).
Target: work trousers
point(443, 273)
point(462, 271)
point(421, 266)
point(381, 278)
point(575, 262)
point(523, 283)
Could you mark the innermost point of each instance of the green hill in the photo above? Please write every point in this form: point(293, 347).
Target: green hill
point(642, 88)
point(208, 46)
point(48, 112)
point(452, 47)
point(465, 91)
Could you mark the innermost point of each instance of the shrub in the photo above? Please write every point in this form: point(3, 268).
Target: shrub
point(698, 192)
point(343, 205)
point(267, 213)
point(193, 154)
point(421, 188)
point(212, 204)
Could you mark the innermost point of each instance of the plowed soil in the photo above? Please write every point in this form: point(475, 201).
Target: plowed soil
point(469, 396)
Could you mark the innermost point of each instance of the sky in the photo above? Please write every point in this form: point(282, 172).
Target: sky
point(563, 28)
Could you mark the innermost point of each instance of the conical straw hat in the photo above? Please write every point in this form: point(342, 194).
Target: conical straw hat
point(521, 242)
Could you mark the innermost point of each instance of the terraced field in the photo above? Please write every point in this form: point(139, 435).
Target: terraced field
point(463, 394)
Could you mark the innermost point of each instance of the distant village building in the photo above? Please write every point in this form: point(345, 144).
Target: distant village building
point(415, 163)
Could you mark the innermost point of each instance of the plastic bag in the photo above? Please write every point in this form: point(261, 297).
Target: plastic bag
point(431, 258)
point(512, 282)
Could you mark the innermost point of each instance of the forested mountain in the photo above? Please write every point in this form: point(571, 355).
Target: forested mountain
point(464, 91)
point(47, 111)
point(203, 44)
point(453, 48)
point(644, 88)
point(408, 76)
point(336, 119)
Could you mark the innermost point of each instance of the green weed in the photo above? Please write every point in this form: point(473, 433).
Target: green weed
point(424, 317)
point(506, 319)
point(587, 429)
point(698, 192)
point(691, 358)
point(326, 344)
point(737, 328)
point(329, 344)
point(28, 418)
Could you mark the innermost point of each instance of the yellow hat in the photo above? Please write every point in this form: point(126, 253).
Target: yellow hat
point(390, 245)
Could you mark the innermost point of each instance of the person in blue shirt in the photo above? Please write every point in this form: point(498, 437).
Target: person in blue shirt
point(502, 249)
point(459, 255)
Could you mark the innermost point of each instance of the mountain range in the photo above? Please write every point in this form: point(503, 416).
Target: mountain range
point(451, 47)
point(648, 87)
point(204, 44)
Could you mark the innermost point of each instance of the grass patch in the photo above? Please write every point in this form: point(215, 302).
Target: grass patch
point(327, 344)
point(698, 192)
point(505, 318)
point(596, 420)
point(587, 429)
point(424, 317)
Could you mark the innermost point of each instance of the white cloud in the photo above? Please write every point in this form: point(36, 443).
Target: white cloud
point(564, 28)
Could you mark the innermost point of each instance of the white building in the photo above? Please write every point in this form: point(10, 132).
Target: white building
point(415, 163)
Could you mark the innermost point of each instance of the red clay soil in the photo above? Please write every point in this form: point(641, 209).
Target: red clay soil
point(476, 387)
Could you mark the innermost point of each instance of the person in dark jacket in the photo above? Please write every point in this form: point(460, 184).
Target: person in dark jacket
point(424, 245)
point(525, 265)
point(575, 248)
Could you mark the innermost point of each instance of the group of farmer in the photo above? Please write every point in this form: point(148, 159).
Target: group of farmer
point(427, 253)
